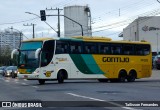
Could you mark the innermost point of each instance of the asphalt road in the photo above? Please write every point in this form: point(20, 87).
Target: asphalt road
point(82, 93)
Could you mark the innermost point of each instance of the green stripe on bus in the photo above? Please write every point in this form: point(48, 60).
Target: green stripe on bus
point(80, 64)
point(86, 64)
point(91, 64)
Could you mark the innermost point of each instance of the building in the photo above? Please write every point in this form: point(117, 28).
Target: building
point(144, 28)
point(9, 40)
point(79, 14)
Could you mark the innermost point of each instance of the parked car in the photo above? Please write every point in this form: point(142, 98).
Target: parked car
point(153, 57)
point(10, 71)
point(156, 62)
point(2, 68)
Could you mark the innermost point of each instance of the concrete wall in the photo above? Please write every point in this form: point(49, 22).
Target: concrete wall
point(144, 28)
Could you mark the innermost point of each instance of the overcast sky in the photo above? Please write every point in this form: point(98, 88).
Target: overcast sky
point(106, 18)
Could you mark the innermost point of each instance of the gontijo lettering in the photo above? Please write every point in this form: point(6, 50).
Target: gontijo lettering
point(115, 59)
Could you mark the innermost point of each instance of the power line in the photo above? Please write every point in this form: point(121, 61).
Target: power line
point(151, 13)
point(124, 10)
point(17, 22)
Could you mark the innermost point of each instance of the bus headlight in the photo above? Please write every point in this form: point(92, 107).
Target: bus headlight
point(34, 72)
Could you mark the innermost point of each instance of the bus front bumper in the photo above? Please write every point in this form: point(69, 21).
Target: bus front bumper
point(28, 76)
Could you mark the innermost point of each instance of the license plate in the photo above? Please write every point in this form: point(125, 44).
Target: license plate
point(25, 76)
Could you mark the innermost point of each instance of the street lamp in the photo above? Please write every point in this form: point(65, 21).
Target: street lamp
point(44, 21)
point(20, 33)
point(75, 22)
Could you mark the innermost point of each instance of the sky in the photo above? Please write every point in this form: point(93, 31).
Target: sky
point(109, 17)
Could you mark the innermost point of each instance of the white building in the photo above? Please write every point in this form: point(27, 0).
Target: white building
point(80, 14)
point(144, 28)
point(9, 40)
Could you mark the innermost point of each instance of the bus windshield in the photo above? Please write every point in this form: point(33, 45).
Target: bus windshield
point(27, 54)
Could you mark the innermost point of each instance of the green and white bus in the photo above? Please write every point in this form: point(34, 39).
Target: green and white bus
point(99, 58)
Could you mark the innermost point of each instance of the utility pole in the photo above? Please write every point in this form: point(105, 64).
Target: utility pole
point(157, 43)
point(119, 12)
point(58, 19)
point(33, 27)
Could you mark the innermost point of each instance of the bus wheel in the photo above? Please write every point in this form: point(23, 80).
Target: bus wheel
point(41, 81)
point(113, 80)
point(103, 80)
point(60, 77)
point(122, 76)
point(132, 76)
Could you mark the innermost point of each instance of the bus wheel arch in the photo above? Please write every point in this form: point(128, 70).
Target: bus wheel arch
point(122, 75)
point(132, 76)
point(62, 74)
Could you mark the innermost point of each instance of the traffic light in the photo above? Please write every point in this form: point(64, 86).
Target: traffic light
point(43, 15)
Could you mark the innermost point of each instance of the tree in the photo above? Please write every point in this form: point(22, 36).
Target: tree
point(5, 55)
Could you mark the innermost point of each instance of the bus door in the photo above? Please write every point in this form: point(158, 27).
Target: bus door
point(46, 58)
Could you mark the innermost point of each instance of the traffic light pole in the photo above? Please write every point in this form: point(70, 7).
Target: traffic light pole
point(58, 32)
point(71, 20)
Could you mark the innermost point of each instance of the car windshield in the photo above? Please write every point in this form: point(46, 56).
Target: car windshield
point(11, 68)
point(2, 68)
point(27, 54)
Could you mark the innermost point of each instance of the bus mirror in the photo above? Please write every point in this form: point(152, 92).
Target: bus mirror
point(37, 52)
point(15, 51)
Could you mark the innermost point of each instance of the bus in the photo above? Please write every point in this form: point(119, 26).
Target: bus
point(80, 57)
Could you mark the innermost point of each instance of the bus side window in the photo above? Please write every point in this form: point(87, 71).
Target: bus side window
point(61, 47)
point(90, 48)
point(146, 49)
point(104, 49)
point(75, 47)
point(139, 50)
point(86, 50)
point(116, 49)
point(128, 49)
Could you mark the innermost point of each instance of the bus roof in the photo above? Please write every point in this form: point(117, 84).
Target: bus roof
point(95, 38)
point(38, 39)
point(106, 39)
point(89, 39)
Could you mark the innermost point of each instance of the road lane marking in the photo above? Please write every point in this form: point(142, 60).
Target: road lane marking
point(91, 98)
point(35, 86)
point(17, 82)
point(85, 97)
point(24, 84)
point(25, 79)
point(7, 80)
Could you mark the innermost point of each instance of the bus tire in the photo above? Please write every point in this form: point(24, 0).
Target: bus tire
point(132, 76)
point(41, 81)
point(103, 80)
point(158, 67)
point(60, 77)
point(122, 76)
point(113, 80)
